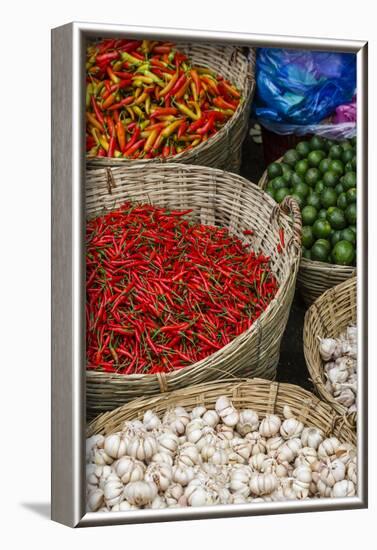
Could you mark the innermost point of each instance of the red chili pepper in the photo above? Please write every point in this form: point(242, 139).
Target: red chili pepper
point(107, 57)
point(97, 111)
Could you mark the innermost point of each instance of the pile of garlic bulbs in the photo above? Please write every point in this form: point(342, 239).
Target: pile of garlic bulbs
point(340, 356)
point(215, 456)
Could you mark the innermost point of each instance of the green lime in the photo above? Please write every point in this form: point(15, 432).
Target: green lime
point(321, 229)
point(274, 170)
point(348, 167)
point(351, 195)
point(351, 213)
point(342, 202)
point(315, 158)
point(291, 157)
point(295, 178)
point(278, 183)
point(287, 173)
point(319, 252)
point(325, 243)
point(339, 188)
point(335, 152)
point(322, 214)
point(317, 143)
point(349, 180)
point(309, 215)
point(328, 144)
point(354, 228)
point(328, 197)
point(319, 187)
point(324, 165)
point(312, 176)
point(313, 199)
point(307, 237)
point(271, 193)
point(354, 163)
point(337, 166)
point(281, 193)
point(353, 141)
point(343, 253)
point(336, 237)
point(301, 167)
point(300, 199)
point(330, 178)
point(303, 148)
point(346, 145)
point(347, 155)
point(348, 235)
point(336, 218)
point(306, 254)
point(302, 189)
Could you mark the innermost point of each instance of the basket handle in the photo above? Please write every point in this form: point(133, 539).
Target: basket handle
point(291, 208)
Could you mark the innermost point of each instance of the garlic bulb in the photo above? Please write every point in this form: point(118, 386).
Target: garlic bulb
point(106, 473)
point(273, 444)
point(352, 471)
point(211, 418)
point(101, 457)
point(95, 500)
point(241, 448)
point(289, 450)
point(240, 480)
point(158, 502)
point(129, 469)
point(345, 452)
point(302, 477)
point(161, 456)
point(151, 420)
point(306, 456)
point(327, 348)
point(140, 493)
point(92, 443)
point(257, 462)
point(161, 474)
point(183, 474)
point(226, 411)
point(113, 490)
point(334, 471)
point(220, 456)
point(168, 442)
point(263, 484)
point(177, 419)
point(324, 490)
point(291, 427)
point(258, 443)
point(270, 425)
point(197, 412)
point(142, 447)
point(124, 506)
point(311, 437)
point(344, 488)
point(328, 448)
point(188, 455)
point(248, 422)
point(194, 430)
point(199, 495)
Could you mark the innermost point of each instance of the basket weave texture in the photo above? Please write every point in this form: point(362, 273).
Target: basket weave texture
point(314, 278)
point(223, 149)
point(328, 317)
point(263, 396)
point(216, 198)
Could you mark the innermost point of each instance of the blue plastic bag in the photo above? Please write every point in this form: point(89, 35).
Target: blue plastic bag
point(301, 88)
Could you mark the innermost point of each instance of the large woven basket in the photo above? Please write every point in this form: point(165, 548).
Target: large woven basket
point(314, 278)
point(216, 198)
point(327, 318)
point(260, 395)
point(223, 149)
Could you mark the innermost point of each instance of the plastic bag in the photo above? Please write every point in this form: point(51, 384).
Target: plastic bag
point(345, 130)
point(297, 89)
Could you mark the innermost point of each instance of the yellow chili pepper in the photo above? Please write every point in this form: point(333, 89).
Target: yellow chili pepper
point(148, 104)
point(138, 112)
point(131, 59)
point(186, 111)
point(141, 98)
point(171, 128)
point(104, 143)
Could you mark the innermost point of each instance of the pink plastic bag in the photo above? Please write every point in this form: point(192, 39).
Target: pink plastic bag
point(345, 113)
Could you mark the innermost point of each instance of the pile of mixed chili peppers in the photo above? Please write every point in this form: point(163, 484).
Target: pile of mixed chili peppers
point(145, 100)
point(163, 292)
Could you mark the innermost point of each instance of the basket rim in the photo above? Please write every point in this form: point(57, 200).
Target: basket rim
point(249, 88)
point(277, 210)
point(317, 375)
point(197, 391)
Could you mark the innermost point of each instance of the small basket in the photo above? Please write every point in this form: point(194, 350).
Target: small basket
point(260, 395)
point(314, 278)
point(216, 198)
point(223, 149)
point(327, 318)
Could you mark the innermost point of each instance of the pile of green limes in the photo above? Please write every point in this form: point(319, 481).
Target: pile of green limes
point(321, 175)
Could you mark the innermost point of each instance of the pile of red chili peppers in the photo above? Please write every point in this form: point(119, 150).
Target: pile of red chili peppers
point(145, 100)
point(164, 292)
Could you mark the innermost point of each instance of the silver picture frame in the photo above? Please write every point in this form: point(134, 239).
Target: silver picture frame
point(68, 274)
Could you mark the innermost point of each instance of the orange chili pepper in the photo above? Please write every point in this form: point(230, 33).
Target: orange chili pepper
point(109, 101)
point(121, 135)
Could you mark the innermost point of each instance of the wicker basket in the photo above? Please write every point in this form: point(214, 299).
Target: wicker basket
point(327, 318)
point(314, 278)
point(261, 395)
point(216, 198)
point(223, 149)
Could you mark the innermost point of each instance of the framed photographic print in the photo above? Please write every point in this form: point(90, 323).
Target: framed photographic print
point(209, 274)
